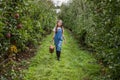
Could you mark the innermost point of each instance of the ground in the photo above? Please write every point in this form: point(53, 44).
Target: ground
point(75, 63)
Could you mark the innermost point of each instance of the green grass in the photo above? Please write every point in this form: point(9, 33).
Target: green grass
point(75, 64)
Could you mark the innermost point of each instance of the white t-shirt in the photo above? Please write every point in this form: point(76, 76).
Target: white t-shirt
point(57, 28)
point(54, 29)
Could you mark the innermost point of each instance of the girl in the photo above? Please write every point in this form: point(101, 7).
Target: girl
point(58, 37)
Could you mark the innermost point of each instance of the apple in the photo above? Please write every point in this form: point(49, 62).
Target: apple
point(16, 15)
point(8, 35)
point(19, 26)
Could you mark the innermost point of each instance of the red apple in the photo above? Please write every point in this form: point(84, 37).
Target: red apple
point(19, 26)
point(16, 15)
point(8, 35)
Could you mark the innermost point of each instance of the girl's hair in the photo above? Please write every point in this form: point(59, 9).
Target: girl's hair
point(59, 26)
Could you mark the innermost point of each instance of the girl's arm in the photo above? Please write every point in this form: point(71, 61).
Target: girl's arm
point(53, 33)
point(64, 36)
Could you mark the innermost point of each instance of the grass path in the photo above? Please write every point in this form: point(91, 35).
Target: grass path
point(75, 63)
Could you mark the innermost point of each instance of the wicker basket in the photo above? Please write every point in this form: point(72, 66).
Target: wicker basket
point(51, 49)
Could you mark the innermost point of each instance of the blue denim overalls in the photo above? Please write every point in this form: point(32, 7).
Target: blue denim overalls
point(58, 39)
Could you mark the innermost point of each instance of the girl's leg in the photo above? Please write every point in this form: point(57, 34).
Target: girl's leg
point(59, 52)
point(58, 55)
point(58, 49)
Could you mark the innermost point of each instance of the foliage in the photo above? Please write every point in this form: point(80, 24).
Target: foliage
point(96, 24)
point(22, 23)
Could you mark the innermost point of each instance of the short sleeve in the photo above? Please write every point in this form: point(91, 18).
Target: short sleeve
point(54, 29)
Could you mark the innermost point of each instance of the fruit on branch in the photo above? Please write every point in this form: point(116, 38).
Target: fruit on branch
point(19, 26)
point(8, 35)
point(17, 15)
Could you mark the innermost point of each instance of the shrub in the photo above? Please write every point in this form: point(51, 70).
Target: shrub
point(96, 24)
point(22, 23)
